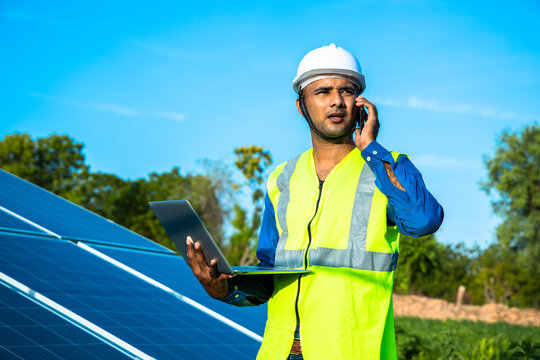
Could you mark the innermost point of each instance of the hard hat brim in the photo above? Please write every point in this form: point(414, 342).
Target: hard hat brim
point(300, 82)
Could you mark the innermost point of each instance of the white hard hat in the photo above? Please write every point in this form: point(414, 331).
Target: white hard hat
point(329, 61)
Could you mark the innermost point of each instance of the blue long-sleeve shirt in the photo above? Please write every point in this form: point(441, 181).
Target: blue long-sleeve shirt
point(414, 211)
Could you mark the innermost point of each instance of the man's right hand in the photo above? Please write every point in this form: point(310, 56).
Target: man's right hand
point(214, 283)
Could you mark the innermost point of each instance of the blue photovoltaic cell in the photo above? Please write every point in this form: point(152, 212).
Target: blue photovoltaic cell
point(174, 272)
point(29, 331)
point(8, 221)
point(63, 217)
point(144, 316)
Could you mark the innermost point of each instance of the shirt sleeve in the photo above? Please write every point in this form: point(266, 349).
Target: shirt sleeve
point(249, 290)
point(415, 211)
point(268, 236)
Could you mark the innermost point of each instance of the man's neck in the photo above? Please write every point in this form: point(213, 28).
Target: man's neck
point(327, 155)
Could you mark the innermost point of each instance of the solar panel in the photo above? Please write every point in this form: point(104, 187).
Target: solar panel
point(142, 315)
point(65, 218)
point(173, 272)
point(29, 331)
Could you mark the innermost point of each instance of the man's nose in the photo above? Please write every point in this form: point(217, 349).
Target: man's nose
point(337, 100)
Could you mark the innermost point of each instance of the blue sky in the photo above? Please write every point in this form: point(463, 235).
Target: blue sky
point(148, 86)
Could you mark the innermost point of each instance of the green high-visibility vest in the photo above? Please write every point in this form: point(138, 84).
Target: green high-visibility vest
point(339, 231)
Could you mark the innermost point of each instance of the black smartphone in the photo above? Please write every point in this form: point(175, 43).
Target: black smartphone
point(362, 118)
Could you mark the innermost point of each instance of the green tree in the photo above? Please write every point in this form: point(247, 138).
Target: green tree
point(126, 201)
point(456, 269)
point(200, 190)
point(97, 192)
point(252, 161)
point(497, 274)
point(418, 263)
point(55, 163)
point(514, 179)
point(427, 267)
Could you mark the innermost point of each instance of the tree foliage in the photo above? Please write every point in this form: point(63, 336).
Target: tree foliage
point(252, 161)
point(514, 175)
point(514, 180)
point(506, 271)
point(55, 163)
point(427, 267)
point(126, 201)
point(418, 260)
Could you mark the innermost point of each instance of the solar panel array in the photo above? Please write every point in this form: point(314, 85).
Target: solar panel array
point(76, 285)
point(29, 331)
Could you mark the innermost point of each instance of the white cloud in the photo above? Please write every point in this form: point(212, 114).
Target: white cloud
point(447, 162)
point(113, 108)
point(108, 107)
point(415, 103)
point(170, 115)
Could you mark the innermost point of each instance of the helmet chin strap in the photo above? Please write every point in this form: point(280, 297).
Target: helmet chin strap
point(332, 139)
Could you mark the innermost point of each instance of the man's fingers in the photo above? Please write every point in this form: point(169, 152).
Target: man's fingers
point(361, 98)
point(190, 252)
point(371, 127)
point(213, 269)
point(213, 282)
point(199, 256)
point(361, 101)
point(371, 109)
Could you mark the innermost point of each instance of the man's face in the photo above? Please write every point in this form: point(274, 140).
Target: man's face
point(331, 105)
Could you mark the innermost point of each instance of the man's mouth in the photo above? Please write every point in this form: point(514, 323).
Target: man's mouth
point(336, 117)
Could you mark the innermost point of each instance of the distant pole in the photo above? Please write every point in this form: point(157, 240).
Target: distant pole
point(459, 297)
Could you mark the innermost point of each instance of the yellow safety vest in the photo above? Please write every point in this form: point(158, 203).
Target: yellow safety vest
point(339, 231)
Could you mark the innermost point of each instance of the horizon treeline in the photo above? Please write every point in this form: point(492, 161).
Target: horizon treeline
point(230, 198)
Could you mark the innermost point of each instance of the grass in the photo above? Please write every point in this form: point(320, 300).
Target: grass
point(460, 339)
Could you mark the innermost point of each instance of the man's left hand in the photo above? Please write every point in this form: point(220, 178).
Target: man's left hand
point(371, 127)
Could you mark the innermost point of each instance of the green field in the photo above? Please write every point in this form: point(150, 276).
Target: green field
point(452, 339)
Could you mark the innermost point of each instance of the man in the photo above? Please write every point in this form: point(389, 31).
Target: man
point(337, 209)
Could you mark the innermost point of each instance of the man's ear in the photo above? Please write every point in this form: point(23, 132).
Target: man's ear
point(298, 106)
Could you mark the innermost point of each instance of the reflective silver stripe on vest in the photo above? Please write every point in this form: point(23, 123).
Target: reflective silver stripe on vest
point(287, 258)
point(355, 256)
point(361, 209)
point(354, 259)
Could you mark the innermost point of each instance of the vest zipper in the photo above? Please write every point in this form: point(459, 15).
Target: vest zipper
point(297, 330)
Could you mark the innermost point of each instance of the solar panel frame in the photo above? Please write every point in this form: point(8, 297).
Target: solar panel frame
point(11, 223)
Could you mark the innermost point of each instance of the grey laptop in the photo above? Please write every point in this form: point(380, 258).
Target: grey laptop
point(180, 221)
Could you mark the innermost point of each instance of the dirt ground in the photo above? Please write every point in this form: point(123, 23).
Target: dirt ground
point(428, 308)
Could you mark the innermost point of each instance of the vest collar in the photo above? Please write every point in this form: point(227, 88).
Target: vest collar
point(353, 157)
